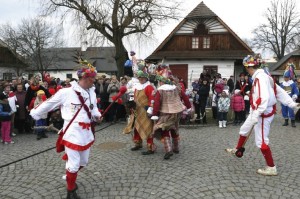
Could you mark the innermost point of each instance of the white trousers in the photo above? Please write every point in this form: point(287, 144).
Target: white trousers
point(76, 159)
point(262, 126)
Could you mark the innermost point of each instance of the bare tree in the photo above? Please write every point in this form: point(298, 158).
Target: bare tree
point(116, 19)
point(282, 29)
point(32, 38)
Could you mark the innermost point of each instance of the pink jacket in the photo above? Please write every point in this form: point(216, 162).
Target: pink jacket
point(237, 103)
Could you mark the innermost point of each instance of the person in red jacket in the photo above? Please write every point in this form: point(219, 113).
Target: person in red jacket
point(238, 106)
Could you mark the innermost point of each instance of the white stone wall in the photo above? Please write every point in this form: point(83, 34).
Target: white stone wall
point(7, 70)
point(195, 68)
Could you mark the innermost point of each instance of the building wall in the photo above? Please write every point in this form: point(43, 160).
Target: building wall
point(62, 75)
point(195, 68)
point(7, 70)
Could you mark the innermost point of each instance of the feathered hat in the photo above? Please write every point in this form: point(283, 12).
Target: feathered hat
point(290, 71)
point(140, 74)
point(252, 61)
point(86, 69)
point(164, 74)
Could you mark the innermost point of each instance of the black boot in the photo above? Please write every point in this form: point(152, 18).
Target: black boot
point(39, 136)
point(44, 135)
point(286, 122)
point(136, 147)
point(72, 195)
point(293, 123)
point(149, 152)
point(168, 155)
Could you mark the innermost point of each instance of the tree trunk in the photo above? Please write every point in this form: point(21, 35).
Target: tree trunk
point(120, 57)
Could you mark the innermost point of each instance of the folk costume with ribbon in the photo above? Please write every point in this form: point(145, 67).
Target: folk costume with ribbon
point(167, 111)
point(263, 96)
point(78, 109)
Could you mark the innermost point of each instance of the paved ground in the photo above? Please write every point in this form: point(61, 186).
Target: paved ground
point(201, 170)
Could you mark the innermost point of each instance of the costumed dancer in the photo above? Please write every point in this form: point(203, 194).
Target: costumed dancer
point(79, 109)
point(291, 88)
point(139, 120)
point(263, 97)
point(167, 110)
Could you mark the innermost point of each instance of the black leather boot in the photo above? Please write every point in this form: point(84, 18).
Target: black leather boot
point(168, 155)
point(286, 122)
point(72, 195)
point(293, 123)
point(136, 147)
point(149, 152)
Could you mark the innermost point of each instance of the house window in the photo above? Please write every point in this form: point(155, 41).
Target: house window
point(206, 42)
point(69, 76)
point(211, 71)
point(7, 76)
point(195, 42)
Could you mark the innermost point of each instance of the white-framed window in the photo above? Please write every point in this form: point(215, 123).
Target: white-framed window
point(206, 42)
point(195, 43)
point(70, 76)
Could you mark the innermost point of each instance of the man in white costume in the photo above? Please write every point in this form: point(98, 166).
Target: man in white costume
point(79, 110)
point(263, 97)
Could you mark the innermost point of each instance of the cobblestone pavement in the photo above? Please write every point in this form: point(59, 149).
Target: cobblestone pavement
point(202, 169)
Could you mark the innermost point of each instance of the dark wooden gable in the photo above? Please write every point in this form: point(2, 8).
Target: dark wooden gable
point(200, 35)
point(8, 58)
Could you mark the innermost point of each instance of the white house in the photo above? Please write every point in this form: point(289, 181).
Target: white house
point(202, 41)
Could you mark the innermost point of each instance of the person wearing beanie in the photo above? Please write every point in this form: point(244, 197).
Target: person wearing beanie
point(238, 105)
point(223, 108)
point(291, 88)
point(79, 111)
point(263, 95)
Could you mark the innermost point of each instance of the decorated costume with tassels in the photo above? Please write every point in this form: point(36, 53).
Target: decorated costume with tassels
point(291, 88)
point(167, 109)
point(139, 120)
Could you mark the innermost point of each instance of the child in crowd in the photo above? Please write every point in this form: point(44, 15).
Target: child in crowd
point(5, 117)
point(223, 108)
point(41, 133)
point(238, 106)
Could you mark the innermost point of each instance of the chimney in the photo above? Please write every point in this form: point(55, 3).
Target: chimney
point(84, 45)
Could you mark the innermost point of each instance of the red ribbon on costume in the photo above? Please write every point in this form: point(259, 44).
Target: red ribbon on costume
point(85, 125)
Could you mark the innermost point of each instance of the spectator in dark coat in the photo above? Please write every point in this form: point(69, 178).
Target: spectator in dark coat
point(203, 93)
point(21, 110)
point(230, 84)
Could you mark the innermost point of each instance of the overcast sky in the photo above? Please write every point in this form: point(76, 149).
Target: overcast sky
point(242, 16)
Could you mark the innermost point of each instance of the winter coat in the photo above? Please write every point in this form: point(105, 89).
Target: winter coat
point(223, 104)
point(237, 103)
point(4, 111)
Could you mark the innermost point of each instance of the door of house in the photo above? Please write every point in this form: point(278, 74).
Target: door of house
point(211, 70)
point(180, 71)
